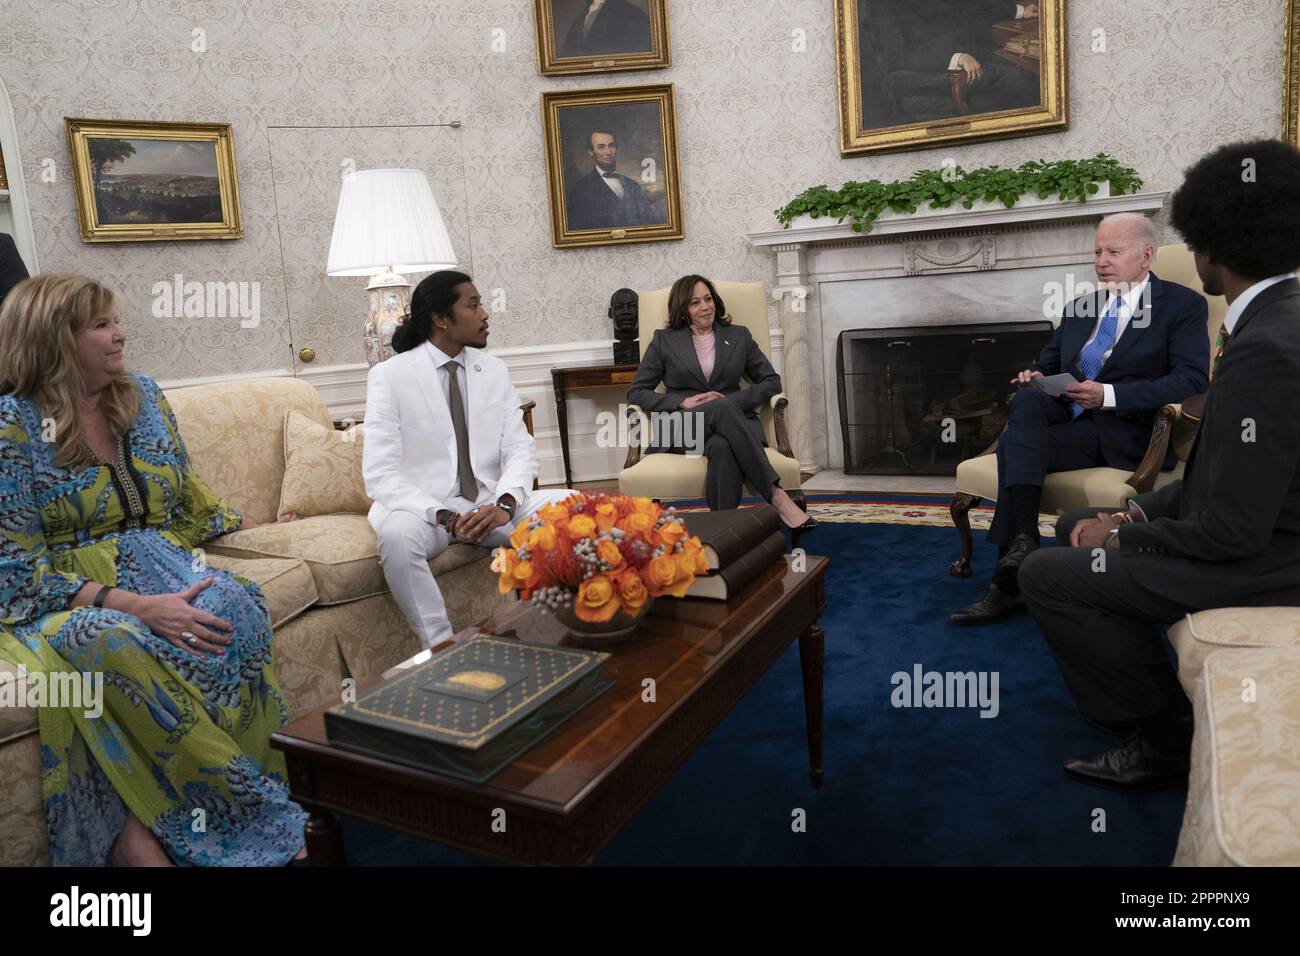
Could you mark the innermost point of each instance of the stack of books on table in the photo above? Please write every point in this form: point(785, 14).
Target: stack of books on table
point(471, 709)
point(739, 545)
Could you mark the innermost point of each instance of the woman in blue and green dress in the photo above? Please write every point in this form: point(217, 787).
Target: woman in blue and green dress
point(101, 516)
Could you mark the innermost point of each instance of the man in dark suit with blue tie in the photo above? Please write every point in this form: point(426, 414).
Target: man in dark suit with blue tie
point(1136, 344)
point(1228, 533)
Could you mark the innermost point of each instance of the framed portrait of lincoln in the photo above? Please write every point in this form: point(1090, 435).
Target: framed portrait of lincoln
point(922, 73)
point(611, 160)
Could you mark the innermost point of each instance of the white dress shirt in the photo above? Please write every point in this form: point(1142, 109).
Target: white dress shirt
point(613, 182)
point(590, 19)
point(1128, 304)
point(447, 366)
point(1240, 303)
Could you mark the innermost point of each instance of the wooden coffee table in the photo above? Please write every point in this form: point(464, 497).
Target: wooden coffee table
point(562, 801)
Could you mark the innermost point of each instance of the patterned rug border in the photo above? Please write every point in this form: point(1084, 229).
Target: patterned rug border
point(923, 509)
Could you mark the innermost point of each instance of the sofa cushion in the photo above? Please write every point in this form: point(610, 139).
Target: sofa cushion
point(1199, 635)
point(286, 582)
point(1243, 799)
point(322, 469)
point(341, 551)
point(22, 816)
point(14, 721)
point(1063, 490)
point(234, 432)
point(668, 476)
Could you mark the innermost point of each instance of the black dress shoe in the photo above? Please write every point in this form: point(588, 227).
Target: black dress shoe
point(1132, 765)
point(808, 525)
point(993, 605)
point(1008, 566)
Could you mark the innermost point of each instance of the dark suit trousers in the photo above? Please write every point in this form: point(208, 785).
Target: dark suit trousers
point(736, 455)
point(1103, 627)
point(1040, 437)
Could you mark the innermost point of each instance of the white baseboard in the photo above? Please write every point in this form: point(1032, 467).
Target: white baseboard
point(343, 389)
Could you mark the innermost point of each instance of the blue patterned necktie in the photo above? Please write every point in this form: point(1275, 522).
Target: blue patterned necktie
point(1091, 357)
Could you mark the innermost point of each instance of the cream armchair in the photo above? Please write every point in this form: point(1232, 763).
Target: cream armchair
point(672, 477)
point(977, 478)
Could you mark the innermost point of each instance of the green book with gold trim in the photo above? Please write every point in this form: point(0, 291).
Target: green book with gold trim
point(473, 708)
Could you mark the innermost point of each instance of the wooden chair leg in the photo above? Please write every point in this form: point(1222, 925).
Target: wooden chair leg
point(960, 511)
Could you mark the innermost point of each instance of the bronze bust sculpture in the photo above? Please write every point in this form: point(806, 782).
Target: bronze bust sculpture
point(624, 310)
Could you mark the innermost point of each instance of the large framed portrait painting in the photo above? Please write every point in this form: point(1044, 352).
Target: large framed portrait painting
point(611, 158)
point(921, 73)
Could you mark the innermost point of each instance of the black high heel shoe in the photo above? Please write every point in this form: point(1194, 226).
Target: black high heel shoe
point(796, 534)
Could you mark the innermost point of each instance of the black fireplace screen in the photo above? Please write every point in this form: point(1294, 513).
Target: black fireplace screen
point(918, 401)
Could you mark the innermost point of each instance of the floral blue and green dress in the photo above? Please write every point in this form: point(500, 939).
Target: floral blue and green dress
point(183, 741)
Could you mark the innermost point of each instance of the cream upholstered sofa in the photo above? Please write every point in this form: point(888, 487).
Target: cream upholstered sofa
point(668, 477)
point(330, 609)
point(977, 478)
point(1241, 669)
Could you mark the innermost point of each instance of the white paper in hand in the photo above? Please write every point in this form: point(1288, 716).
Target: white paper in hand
point(1055, 384)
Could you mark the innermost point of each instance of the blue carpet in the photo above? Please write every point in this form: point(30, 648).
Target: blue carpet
point(919, 787)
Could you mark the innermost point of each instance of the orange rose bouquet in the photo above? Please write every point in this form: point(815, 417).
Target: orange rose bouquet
point(600, 555)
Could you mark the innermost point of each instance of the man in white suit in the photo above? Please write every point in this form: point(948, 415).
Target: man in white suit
point(447, 457)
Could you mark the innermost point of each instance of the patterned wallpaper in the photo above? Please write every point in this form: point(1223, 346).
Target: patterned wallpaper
point(756, 122)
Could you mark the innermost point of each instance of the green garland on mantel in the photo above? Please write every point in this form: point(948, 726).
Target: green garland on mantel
point(861, 203)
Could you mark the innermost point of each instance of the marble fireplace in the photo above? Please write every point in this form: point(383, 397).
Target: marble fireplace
point(946, 268)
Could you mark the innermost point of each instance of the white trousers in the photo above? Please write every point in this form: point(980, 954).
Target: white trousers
point(407, 543)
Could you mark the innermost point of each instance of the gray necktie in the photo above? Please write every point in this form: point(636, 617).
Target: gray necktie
point(464, 467)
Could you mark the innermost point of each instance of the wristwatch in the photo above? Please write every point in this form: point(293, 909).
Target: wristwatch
point(1112, 538)
point(507, 504)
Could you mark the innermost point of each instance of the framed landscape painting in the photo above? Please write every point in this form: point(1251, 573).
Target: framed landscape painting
point(926, 73)
point(601, 36)
point(611, 161)
point(153, 181)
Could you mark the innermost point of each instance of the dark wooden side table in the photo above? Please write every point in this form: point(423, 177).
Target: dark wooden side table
point(572, 379)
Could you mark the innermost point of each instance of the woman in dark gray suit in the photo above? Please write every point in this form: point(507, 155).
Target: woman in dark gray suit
point(700, 358)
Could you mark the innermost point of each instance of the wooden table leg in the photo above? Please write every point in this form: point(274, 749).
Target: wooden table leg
point(562, 419)
point(812, 656)
point(324, 839)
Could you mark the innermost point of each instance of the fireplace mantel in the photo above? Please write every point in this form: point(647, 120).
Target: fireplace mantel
point(937, 267)
point(992, 215)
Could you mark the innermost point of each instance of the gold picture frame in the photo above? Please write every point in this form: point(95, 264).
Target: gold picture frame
point(1291, 79)
point(144, 181)
point(612, 165)
point(914, 101)
point(628, 35)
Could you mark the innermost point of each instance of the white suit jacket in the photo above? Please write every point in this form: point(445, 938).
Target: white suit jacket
point(409, 457)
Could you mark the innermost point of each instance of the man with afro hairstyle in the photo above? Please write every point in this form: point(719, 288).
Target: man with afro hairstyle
point(1228, 533)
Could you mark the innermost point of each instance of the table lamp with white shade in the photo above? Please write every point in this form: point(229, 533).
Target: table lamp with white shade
point(387, 223)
